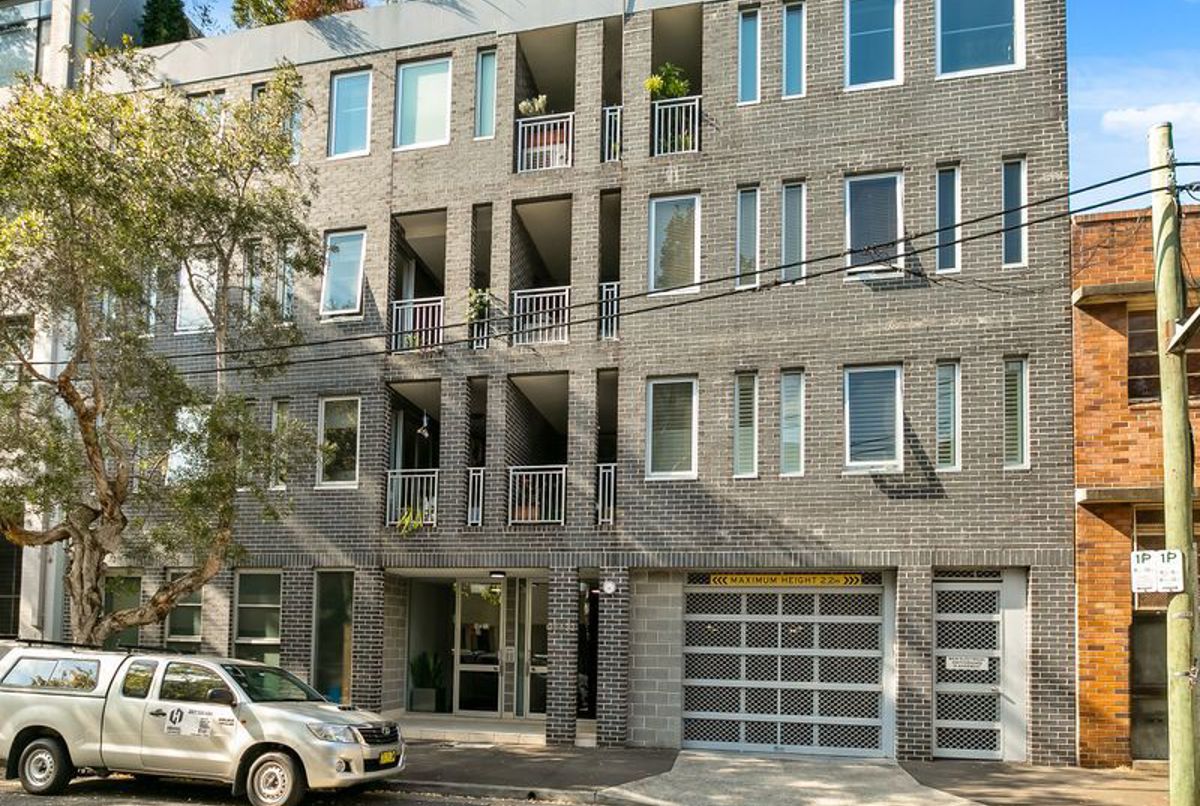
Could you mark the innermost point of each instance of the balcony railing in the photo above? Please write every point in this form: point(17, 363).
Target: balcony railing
point(606, 493)
point(610, 133)
point(537, 494)
point(676, 125)
point(417, 324)
point(545, 142)
point(412, 493)
point(541, 315)
point(475, 488)
point(479, 334)
point(610, 311)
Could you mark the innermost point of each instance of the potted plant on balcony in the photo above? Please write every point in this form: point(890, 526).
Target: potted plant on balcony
point(670, 81)
point(532, 107)
point(426, 671)
point(547, 139)
point(479, 303)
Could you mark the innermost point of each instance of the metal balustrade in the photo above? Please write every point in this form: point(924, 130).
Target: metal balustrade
point(676, 126)
point(479, 334)
point(541, 315)
point(475, 491)
point(418, 324)
point(610, 311)
point(606, 493)
point(610, 133)
point(412, 492)
point(545, 142)
point(537, 494)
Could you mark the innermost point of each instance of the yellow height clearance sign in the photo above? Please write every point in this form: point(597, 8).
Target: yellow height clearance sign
point(784, 580)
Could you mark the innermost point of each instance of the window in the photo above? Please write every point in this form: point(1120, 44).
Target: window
point(1016, 413)
point(349, 114)
point(252, 275)
point(947, 220)
point(183, 623)
point(875, 223)
point(19, 331)
point(338, 427)
point(979, 35)
point(10, 587)
point(873, 418)
point(331, 652)
point(122, 593)
point(748, 56)
point(794, 249)
point(675, 243)
point(745, 425)
point(24, 33)
point(293, 124)
point(423, 104)
point(136, 685)
point(947, 415)
point(279, 415)
point(64, 673)
point(791, 423)
point(285, 283)
point(1142, 363)
point(197, 296)
point(485, 94)
point(1015, 233)
point(187, 452)
point(795, 49)
point(672, 411)
point(747, 238)
point(256, 633)
point(209, 104)
point(874, 42)
point(341, 291)
point(188, 682)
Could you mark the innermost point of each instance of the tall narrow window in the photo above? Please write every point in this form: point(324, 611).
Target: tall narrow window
point(794, 50)
point(748, 56)
point(675, 243)
point(793, 232)
point(256, 629)
point(122, 593)
point(747, 237)
point(183, 623)
point(293, 124)
point(485, 94)
point(947, 220)
point(1015, 238)
point(873, 415)
point(873, 43)
point(791, 423)
point(671, 418)
point(745, 425)
point(341, 291)
point(947, 415)
point(875, 223)
point(331, 661)
point(285, 283)
point(423, 104)
point(349, 114)
point(197, 296)
point(1016, 413)
point(338, 428)
point(279, 417)
point(978, 35)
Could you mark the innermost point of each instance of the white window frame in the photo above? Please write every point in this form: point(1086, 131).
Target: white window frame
point(1018, 46)
point(898, 50)
point(803, 376)
point(400, 68)
point(803, 186)
point(876, 270)
point(957, 466)
point(860, 467)
point(958, 217)
point(237, 609)
point(740, 282)
point(495, 91)
point(683, 289)
point(184, 282)
point(753, 474)
point(1026, 462)
point(339, 485)
point(168, 636)
point(742, 14)
point(332, 133)
point(274, 483)
point(803, 6)
point(1024, 212)
point(678, 475)
point(362, 259)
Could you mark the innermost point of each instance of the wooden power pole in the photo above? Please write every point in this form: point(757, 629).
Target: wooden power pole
point(1170, 294)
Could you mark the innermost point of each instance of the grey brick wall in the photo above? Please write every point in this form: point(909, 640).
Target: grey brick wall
point(656, 659)
point(296, 634)
point(612, 688)
point(914, 647)
point(367, 662)
point(395, 642)
point(562, 627)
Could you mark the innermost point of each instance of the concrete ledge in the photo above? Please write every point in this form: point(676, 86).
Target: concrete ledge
point(1105, 293)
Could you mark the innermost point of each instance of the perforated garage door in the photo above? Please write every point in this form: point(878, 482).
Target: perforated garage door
point(788, 669)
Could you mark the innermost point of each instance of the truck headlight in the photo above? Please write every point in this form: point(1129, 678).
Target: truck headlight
point(333, 733)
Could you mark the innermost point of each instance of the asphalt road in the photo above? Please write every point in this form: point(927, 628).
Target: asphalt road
point(122, 791)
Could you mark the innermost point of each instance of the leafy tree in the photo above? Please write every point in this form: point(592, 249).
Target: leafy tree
point(256, 13)
point(107, 198)
point(164, 22)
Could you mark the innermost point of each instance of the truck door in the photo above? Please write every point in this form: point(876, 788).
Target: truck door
point(123, 714)
point(182, 732)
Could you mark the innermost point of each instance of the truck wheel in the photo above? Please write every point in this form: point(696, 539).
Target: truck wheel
point(275, 779)
point(45, 768)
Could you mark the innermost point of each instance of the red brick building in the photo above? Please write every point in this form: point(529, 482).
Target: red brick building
point(1118, 480)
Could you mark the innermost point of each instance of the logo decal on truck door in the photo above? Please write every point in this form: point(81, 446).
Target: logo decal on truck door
point(190, 722)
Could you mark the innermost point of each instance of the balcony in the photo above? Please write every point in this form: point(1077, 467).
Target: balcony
point(545, 142)
point(606, 493)
point(676, 126)
point(412, 494)
point(537, 494)
point(608, 328)
point(417, 324)
point(475, 492)
point(610, 133)
point(541, 316)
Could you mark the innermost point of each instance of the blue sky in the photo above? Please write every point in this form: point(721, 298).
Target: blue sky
point(1119, 83)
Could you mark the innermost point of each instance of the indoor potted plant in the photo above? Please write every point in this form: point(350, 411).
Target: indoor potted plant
point(426, 671)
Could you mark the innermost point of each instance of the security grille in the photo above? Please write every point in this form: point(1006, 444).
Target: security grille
point(798, 670)
point(967, 653)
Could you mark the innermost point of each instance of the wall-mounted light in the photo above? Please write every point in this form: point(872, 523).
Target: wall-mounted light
point(497, 574)
point(423, 431)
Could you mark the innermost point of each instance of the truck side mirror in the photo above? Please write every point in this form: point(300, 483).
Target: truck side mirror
point(220, 696)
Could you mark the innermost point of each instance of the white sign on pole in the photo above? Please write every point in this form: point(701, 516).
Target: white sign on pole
point(1170, 571)
point(1156, 571)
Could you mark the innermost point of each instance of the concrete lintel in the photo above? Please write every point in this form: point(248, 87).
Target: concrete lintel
point(1106, 293)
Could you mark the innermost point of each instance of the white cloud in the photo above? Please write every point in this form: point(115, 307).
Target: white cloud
point(1134, 121)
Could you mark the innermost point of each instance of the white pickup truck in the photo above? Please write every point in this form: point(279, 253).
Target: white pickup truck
point(256, 727)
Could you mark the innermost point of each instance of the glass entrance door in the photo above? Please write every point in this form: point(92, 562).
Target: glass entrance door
point(537, 640)
point(479, 647)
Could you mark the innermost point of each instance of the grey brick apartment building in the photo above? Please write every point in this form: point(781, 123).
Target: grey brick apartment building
point(832, 515)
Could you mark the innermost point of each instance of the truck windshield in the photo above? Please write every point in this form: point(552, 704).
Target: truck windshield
point(269, 684)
